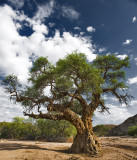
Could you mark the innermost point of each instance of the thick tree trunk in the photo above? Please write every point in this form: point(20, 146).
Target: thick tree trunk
point(86, 142)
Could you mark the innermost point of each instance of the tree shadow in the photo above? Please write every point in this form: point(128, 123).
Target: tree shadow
point(127, 147)
point(18, 146)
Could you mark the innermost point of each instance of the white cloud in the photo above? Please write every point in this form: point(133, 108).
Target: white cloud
point(51, 24)
point(134, 19)
point(70, 13)
point(44, 11)
point(134, 102)
point(132, 80)
point(64, 44)
point(117, 115)
point(82, 33)
point(40, 28)
point(77, 28)
point(8, 108)
point(127, 42)
point(102, 50)
point(91, 29)
point(17, 3)
point(122, 56)
point(10, 42)
point(136, 60)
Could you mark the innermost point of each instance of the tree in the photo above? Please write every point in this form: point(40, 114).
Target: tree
point(74, 91)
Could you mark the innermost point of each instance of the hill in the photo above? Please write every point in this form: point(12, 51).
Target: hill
point(123, 128)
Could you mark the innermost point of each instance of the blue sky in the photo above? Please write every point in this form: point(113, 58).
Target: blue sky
point(54, 28)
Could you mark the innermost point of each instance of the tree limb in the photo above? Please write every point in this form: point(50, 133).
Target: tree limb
point(58, 116)
point(103, 107)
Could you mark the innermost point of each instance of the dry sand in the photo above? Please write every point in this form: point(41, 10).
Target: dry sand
point(113, 148)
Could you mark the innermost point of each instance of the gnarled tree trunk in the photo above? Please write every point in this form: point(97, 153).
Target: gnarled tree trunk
point(86, 142)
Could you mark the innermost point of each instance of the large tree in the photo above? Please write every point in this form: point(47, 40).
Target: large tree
point(72, 90)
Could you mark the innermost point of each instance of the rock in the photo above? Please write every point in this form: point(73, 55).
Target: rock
point(122, 129)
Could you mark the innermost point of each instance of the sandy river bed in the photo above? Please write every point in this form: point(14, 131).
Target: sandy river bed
point(113, 148)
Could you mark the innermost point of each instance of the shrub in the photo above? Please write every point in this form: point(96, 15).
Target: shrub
point(132, 130)
point(101, 130)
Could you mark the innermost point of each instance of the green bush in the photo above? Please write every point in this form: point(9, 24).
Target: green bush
point(132, 130)
point(101, 130)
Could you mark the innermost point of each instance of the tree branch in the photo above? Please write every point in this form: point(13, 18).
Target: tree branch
point(103, 107)
point(58, 116)
point(79, 98)
point(69, 115)
point(121, 98)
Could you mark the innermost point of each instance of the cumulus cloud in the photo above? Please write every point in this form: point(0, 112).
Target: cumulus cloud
point(82, 33)
point(51, 24)
point(69, 13)
point(17, 3)
point(132, 80)
point(40, 28)
point(77, 28)
point(134, 19)
point(117, 115)
point(127, 42)
point(102, 50)
point(8, 109)
point(91, 29)
point(44, 11)
point(122, 56)
point(136, 60)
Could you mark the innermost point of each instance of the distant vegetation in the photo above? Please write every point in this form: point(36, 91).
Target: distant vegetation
point(102, 130)
point(132, 130)
point(30, 129)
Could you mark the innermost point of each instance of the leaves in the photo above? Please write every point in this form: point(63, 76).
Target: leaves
point(77, 74)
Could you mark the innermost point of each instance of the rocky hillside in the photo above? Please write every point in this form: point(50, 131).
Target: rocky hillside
point(122, 129)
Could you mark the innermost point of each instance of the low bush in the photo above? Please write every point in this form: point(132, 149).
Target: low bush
point(132, 131)
point(101, 130)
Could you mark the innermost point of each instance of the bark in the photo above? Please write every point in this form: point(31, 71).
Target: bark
point(86, 142)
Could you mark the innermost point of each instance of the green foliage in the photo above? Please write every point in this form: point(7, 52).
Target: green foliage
point(40, 65)
point(55, 128)
point(74, 73)
point(6, 130)
point(41, 72)
point(132, 130)
point(110, 67)
point(19, 128)
point(101, 130)
point(29, 129)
